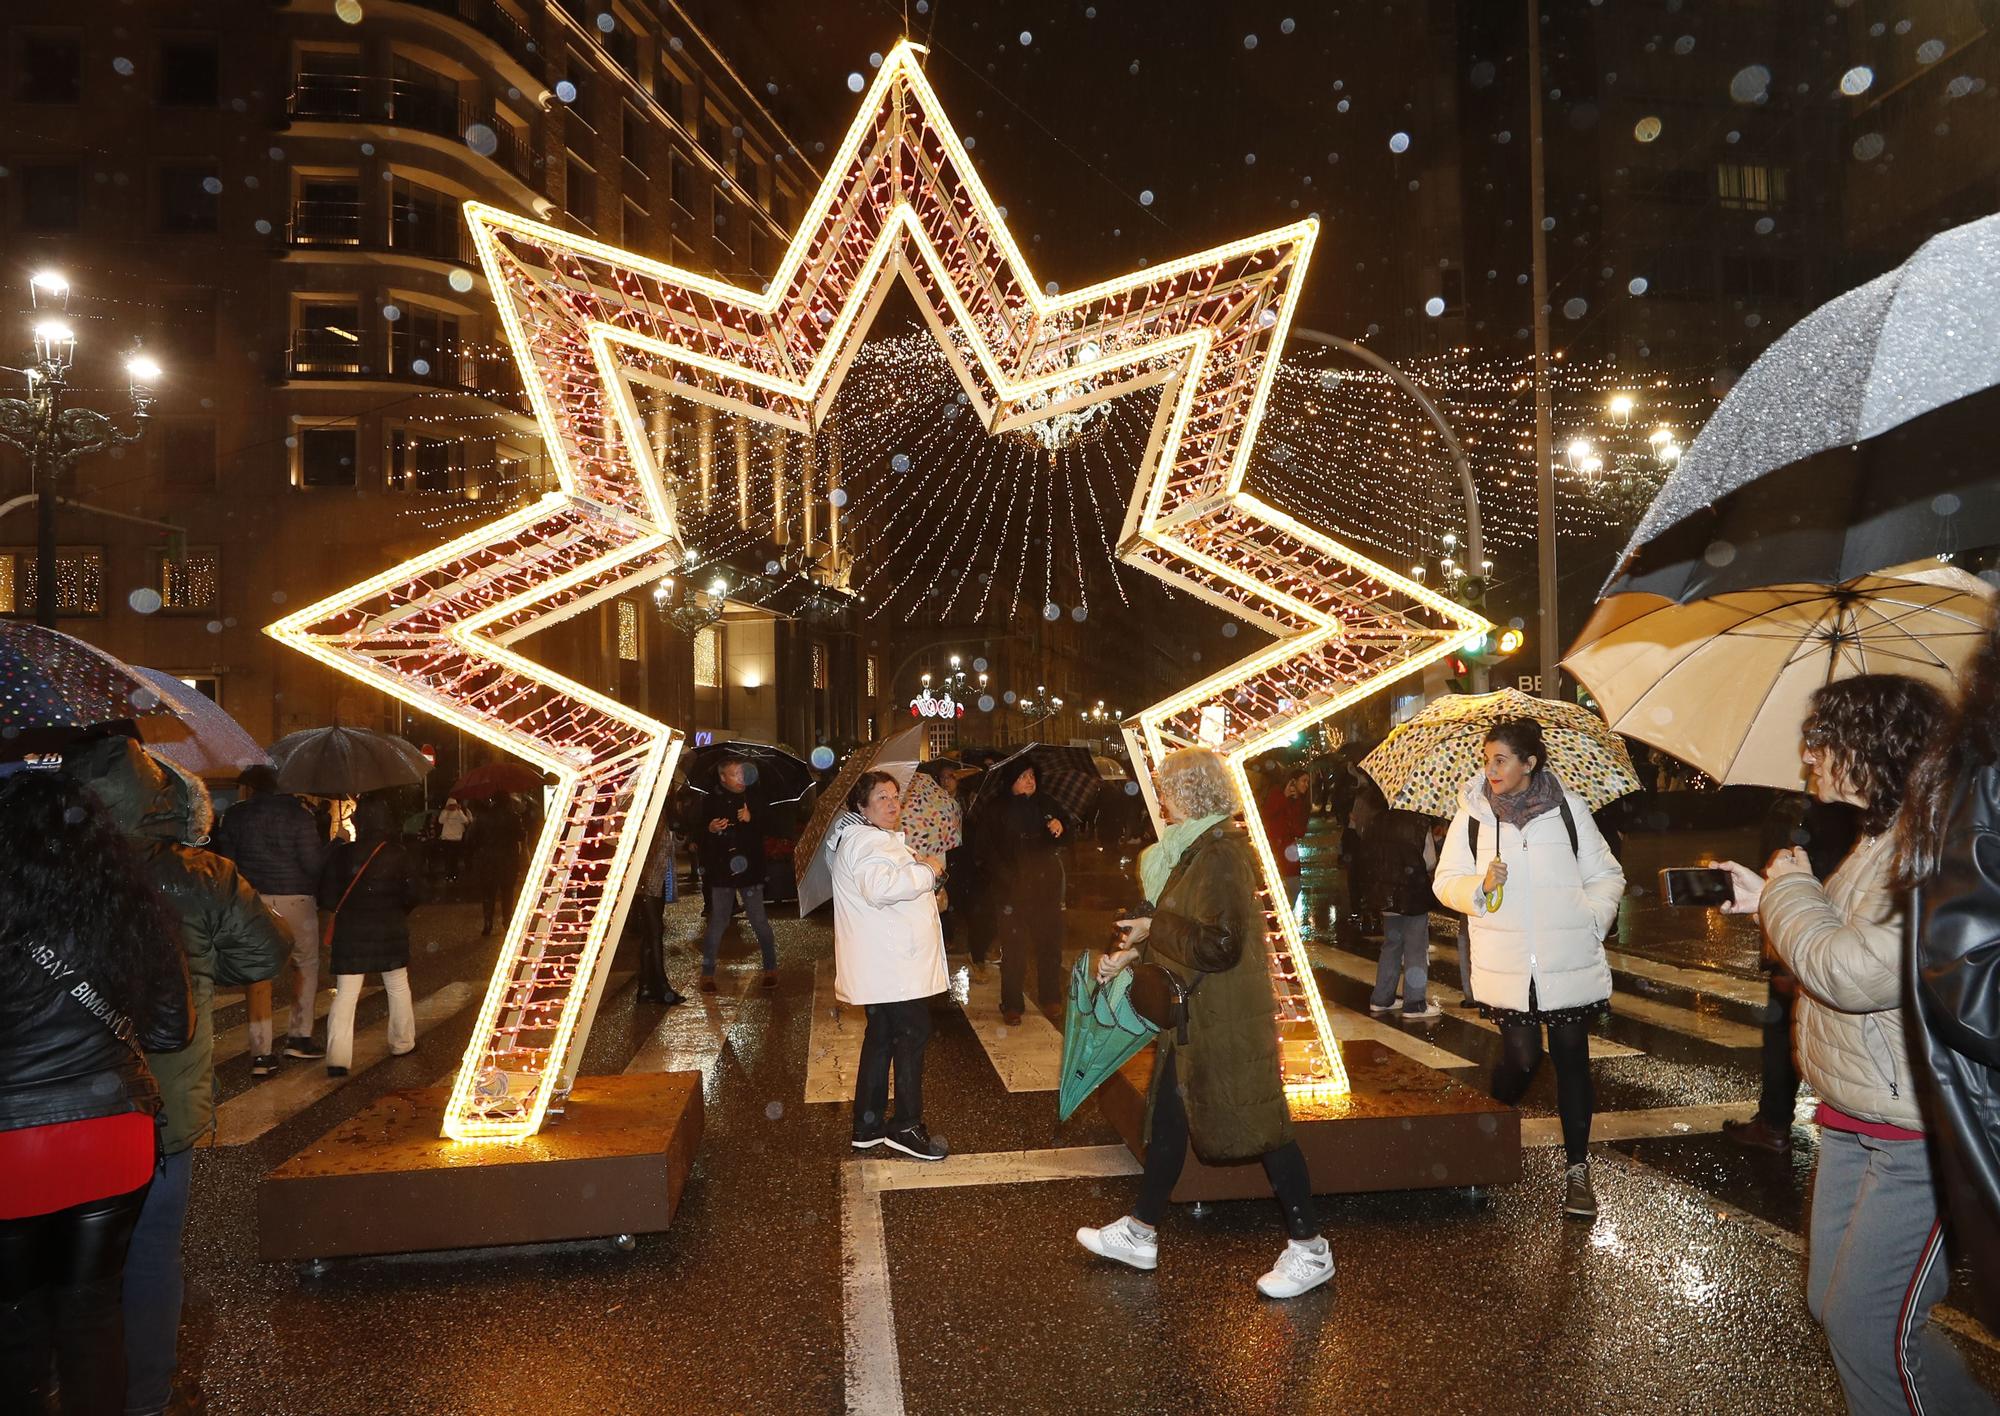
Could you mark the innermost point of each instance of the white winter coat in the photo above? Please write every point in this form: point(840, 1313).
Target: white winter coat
point(1844, 943)
point(887, 943)
point(1557, 906)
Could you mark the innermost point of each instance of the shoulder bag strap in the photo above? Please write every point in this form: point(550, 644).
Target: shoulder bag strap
point(327, 925)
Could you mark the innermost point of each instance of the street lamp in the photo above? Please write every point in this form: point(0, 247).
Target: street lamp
point(1622, 467)
point(53, 436)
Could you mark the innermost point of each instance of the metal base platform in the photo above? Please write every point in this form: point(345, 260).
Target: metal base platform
point(385, 1181)
point(1403, 1126)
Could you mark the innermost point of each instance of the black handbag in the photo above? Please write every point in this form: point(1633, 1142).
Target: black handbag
point(1161, 996)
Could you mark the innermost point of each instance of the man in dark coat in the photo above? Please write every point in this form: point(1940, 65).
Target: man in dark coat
point(273, 838)
point(493, 845)
point(229, 938)
point(1023, 883)
point(368, 888)
point(1396, 880)
point(734, 826)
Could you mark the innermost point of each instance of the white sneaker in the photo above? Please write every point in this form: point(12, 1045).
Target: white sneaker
point(1383, 1010)
point(1301, 1268)
point(1124, 1241)
point(1429, 1010)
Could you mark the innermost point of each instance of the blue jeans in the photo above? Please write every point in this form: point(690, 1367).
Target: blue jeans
point(1406, 949)
point(153, 1289)
point(721, 904)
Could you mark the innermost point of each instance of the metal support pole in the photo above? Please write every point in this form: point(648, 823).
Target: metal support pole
point(43, 464)
point(1548, 611)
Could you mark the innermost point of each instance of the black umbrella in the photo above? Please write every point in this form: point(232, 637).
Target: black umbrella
point(1860, 440)
point(773, 773)
point(49, 679)
point(1065, 776)
point(345, 762)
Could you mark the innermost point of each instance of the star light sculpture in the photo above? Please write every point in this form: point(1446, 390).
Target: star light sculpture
point(589, 324)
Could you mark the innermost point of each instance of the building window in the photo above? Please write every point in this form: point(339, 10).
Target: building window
point(421, 464)
point(874, 676)
point(188, 192)
point(634, 233)
point(423, 220)
point(79, 582)
point(326, 338)
point(708, 657)
point(187, 454)
point(634, 139)
point(190, 581)
point(580, 191)
point(710, 133)
point(422, 98)
point(51, 196)
point(190, 73)
point(423, 344)
point(329, 84)
point(818, 664)
point(48, 67)
point(327, 456)
point(670, 92)
point(1749, 186)
point(207, 685)
point(184, 327)
point(680, 182)
point(580, 80)
point(628, 630)
point(326, 209)
point(621, 44)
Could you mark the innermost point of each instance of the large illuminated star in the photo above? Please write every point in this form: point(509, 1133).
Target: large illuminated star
point(589, 323)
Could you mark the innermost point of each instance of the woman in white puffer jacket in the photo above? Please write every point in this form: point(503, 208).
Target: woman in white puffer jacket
point(1539, 896)
point(888, 960)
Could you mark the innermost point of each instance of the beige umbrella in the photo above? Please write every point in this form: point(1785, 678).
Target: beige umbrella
point(1723, 683)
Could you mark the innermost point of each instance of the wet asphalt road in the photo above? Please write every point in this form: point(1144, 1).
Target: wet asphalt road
point(797, 1280)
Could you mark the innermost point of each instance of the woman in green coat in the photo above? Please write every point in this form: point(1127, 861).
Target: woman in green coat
point(1222, 1089)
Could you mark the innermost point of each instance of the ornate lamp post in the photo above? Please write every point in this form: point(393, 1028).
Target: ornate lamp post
point(53, 436)
point(1623, 464)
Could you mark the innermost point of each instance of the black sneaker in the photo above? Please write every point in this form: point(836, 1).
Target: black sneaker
point(914, 1141)
point(868, 1140)
point(265, 1065)
point(304, 1047)
point(336, 1071)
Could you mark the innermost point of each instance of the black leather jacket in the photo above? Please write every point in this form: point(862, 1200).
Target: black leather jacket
point(1954, 1019)
point(60, 1062)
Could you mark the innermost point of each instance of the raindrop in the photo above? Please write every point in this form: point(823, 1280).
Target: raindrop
point(986, 703)
point(212, 186)
point(1287, 25)
point(145, 599)
point(1946, 503)
point(1661, 714)
point(1765, 226)
point(1146, 197)
point(822, 757)
point(838, 496)
point(875, 61)
point(1090, 12)
point(1869, 146)
point(1341, 107)
point(1027, 37)
point(392, 313)
point(1052, 611)
point(1249, 159)
point(1719, 554)
point(263, 227)
point(1636, 285)
point(773, 1110)
point(1131, 789)
point(770, 567)
point(606, 22)
point(1684, 45)
point(1434, 306)
point(1964, 86)
point(737, 865)
point(420, 367)
point(1050, 288)
point(1229, 629)
point(1483, 74)
point(1399, 142)
point(481, 139)
point(1007, 697)
point(1080, 613)
point(979, 666)
point(1646, 129)
point(348, 11)
point(1856, 81)
point(1576, 307)
point(459, 280)
point(122, 65)
point(1249, 41)
point(1751, 84)
point(566, 91)
point(1133, 68)
point(900, 462)
point(855, 83)
point(1930, 51)
point(1266, 318)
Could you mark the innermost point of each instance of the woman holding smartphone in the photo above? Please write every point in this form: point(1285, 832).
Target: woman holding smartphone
point(1222, 1089)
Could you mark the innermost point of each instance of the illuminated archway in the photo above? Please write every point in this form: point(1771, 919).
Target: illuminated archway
point(901, 200)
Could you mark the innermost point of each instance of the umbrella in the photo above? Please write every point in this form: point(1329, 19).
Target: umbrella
point(493, 779)
point(1861, 439)
point(196, 735)
point(1723, 683)
point(777, 775)
point(1101, 1032)
point(1422, 764)
point(896, 755)
point(345, 762)
point(931, 821)
point(1066, 776)
point(49, 679)
point(1110, 768)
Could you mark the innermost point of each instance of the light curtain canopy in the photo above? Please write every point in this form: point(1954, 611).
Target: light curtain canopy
point(1724, 683)
point(1422, 765)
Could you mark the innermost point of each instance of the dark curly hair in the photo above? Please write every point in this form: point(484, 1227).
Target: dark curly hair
point(864, 787)
point(1875, 725)
point(68, 877)
point(1522, 737)
point(1970, 740)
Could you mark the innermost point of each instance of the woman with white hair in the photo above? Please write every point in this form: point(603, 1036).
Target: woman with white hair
point(1222, 1087)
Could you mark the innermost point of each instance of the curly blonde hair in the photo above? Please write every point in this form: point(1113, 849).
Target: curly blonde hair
point(1197, 781)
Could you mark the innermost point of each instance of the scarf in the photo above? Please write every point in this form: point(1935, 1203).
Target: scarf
point(1157, 861)
point(1542, 795)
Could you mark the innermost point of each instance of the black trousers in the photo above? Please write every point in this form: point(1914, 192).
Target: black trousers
point(1031, 928)
point(896, 1035)
point(1780, 1096)
point(1521, 1058)
point(1166, 1152)
point(60, 1289)
point(644, 924)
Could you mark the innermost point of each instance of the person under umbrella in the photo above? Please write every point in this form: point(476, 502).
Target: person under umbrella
point(452, 824)
point(1524, 863)
point(1024, 884)
point(734, 825)
point(1222, 1089)
point(493, 851)
point(275, 841)
point(1875, 1264)
point(888, 960)
point(368, 887)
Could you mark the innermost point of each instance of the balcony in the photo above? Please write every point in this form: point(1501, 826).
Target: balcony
point(418, 229)
point(402, 103)
point(491, 20)
point(324, 351)
point(324, 223)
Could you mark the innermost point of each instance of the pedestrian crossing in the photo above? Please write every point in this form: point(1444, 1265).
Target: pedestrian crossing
point(1027, 1056)
point(693, 1035)
point(231, 1043)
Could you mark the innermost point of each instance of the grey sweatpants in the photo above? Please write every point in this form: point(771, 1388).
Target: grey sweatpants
point(1875, 1267)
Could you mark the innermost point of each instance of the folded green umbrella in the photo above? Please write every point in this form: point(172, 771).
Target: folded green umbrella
point(1101, 1032)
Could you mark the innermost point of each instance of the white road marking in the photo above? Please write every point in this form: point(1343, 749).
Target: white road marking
point(1364, 1027)
point(833, 1045)
point(1675, 1017)
point(233, 1042)
point(1722, 985)
point(1641, 1125)
point(692, 1035)
point(1027, 1056)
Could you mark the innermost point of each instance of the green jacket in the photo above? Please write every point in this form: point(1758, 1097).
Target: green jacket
point(1229, 1069)
point(228, 934)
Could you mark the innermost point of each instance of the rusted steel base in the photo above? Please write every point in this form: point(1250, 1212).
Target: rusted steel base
point(1404, 1126)
point(385, 1182)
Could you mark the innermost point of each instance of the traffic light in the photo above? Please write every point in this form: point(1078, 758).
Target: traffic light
point(1491, 647)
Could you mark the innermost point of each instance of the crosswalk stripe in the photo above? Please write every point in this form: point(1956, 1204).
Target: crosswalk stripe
point(1360, 1027)
point(1722, 985)
point(232, 1043)
point(833, 1048)
point(245, 1117)
point(1641, 1125)
point(1362, 971)
point(1027, 1057)
point(692, 1035)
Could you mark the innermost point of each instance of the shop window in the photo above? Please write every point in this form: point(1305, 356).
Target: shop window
point(190, 581)
point(628, 630)
point(79, 582)
point(708, 658)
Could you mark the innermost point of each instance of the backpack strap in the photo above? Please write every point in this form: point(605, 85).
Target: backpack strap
point(1569, 825)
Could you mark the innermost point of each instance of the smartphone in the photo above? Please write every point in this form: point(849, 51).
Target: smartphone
point(1705, 886)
